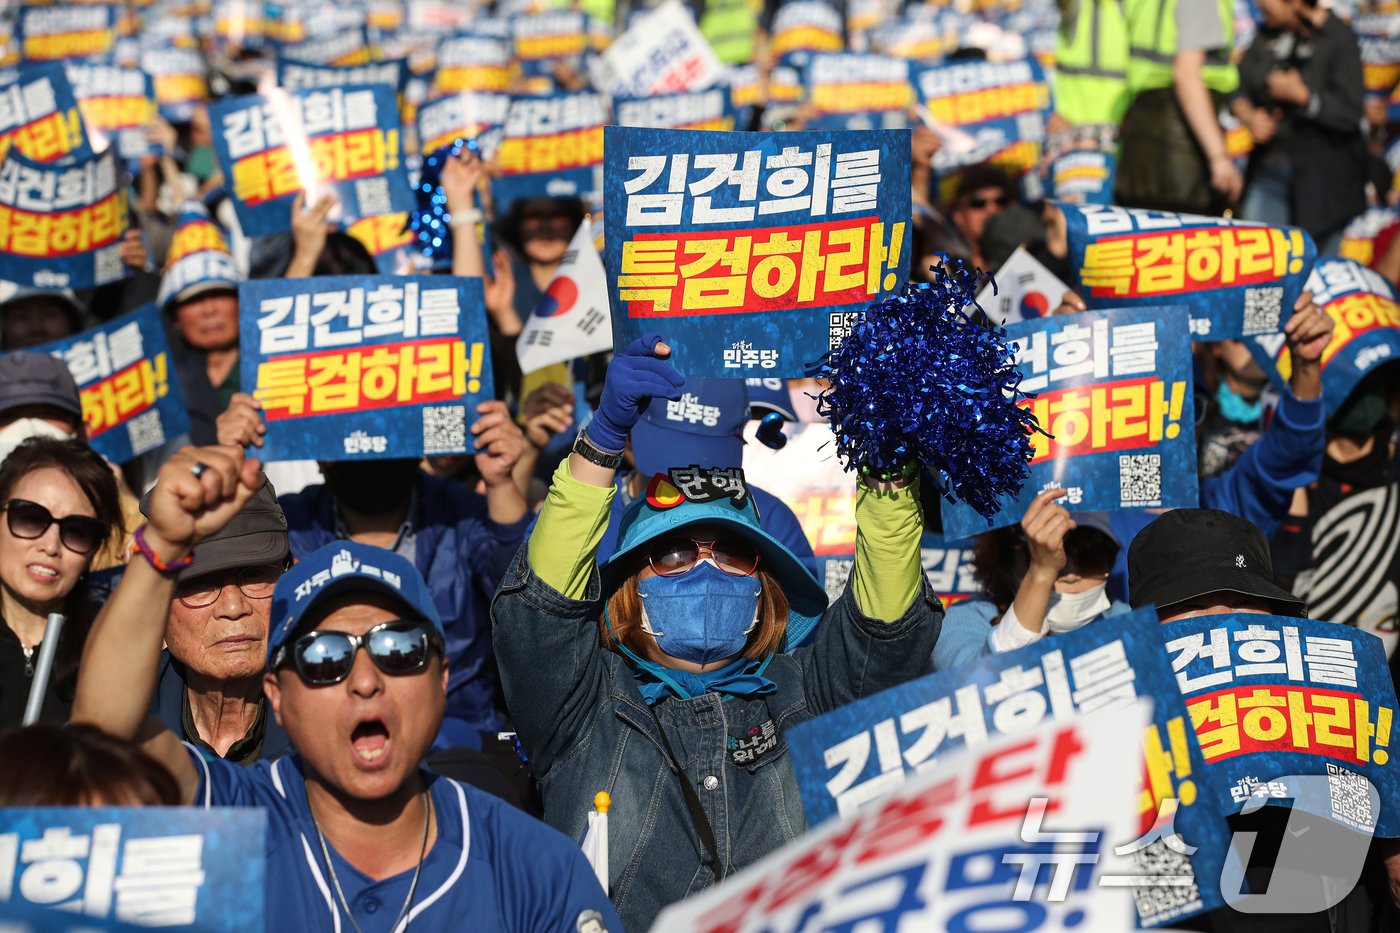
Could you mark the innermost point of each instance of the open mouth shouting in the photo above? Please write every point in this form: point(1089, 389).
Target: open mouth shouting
point(370, 740)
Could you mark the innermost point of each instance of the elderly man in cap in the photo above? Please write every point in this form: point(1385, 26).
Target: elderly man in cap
point(209, 687)
point(359, 835)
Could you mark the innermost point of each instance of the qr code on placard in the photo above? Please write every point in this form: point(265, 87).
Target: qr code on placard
point(1140, 480)
point(1351, 797)
point(1158, 903)
point(838, 571)
point(1263, 307)
point(145, 432)
point(444, 429)
point(840, 327)
point(373, 195)
point(107, 264)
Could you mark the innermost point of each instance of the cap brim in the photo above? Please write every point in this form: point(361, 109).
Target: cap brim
point(253, 550)
point(56, 400)
point(807, 598)
point(350, 583)
point(656, 449)
point(1216, 581)
point(201, 288)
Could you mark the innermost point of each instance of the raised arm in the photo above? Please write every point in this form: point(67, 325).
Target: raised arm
point(197, 492)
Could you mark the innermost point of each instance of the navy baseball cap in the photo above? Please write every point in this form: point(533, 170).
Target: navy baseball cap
point(28, 377)
point(704, 427)
point(345, 567)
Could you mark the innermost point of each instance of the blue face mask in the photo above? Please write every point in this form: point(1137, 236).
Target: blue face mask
point(703, 615)
point(1235, 408)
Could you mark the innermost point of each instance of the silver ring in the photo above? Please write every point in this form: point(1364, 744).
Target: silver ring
point(199, 469)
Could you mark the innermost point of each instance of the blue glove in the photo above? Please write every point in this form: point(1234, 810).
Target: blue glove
point(635, 376)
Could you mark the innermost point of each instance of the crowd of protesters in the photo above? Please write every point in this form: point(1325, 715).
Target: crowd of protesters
point(535, 628)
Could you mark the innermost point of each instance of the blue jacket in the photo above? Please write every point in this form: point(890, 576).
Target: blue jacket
point(168, 705)
point(1259, 486)
point(967, 629)
point(586, 728)
point(462, 554)
point(774, 517)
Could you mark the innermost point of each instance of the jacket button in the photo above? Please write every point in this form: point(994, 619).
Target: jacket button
point(710, 782)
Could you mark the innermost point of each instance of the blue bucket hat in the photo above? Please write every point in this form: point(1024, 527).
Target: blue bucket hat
point(345, 567)
point(663, 510)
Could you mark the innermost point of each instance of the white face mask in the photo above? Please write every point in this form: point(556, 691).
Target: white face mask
point(17, 432)
point(1068, 611)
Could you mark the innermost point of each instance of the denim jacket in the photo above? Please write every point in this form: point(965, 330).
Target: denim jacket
point(586, 728)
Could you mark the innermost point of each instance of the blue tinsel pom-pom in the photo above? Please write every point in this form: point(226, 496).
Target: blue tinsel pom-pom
point(919, 380)
point(430, 221)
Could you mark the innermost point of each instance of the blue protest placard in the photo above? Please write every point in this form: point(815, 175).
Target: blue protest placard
point(178, 868)
point(343, 140)
point(1271, 696)
point(993, 112)
point(131, 400)
point(40, 116)
point(750, 252)
point(180, 81)
point(947, 564)
point(343, 48)
point(118, 106)
point(801, 27)
point(859, 752)
point(61, 224)
point(1363, 305)
point(552, 146)
point(858, 92)
point(1237, 279)
point(365, 367)
point(1113, 391)
point(471, 63)
point(548, 37)
point(711, 109)
point(1081, 177)
point(294, 75)
point(462, 115)
point(61, 31)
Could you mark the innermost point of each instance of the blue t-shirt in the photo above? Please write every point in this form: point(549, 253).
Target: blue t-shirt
point(491, 867)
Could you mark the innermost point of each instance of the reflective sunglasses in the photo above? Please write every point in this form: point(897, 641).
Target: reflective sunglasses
point(252, 582)
point(80, 534)
point(397, 647)
point(671, 557)
point(978, 203)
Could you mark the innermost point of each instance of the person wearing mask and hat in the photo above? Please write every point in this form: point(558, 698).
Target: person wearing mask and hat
point(1190, 563)
point(982, 193)
point(667, 676)
point(1046, 576)
point(359, 834)
point(209, 687)
point(704, 428)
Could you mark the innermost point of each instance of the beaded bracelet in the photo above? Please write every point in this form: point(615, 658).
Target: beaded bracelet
point(906, 471)
point(140, 546)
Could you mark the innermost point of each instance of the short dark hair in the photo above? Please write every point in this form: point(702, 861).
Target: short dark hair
point(508, 228)
point(984, 176)
point(345, 255)
point(48, 765)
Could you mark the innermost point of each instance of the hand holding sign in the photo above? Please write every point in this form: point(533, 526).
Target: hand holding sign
point(636, 376)
point(241, 424)
point(499, 443)
point(1309, 331)
point(1046, 523)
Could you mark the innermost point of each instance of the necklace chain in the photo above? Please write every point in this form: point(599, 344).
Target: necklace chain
point(412, 887)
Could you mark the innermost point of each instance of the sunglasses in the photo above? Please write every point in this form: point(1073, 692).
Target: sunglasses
point(29, 520)
point(671, 557)
point(252, 582)
point(978, 203)
point(396, 648)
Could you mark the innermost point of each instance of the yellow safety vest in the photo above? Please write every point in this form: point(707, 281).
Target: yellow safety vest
point(1091, 64)
point(731, 27)
point(1152, 39)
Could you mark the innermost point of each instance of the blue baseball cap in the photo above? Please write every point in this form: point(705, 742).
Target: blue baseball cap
point(663, 510)
point(345, 567)
point(704, 427)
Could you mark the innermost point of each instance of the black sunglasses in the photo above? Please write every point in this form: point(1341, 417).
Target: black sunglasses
point(978, 204)
point(397, 647)
point(79, 533)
